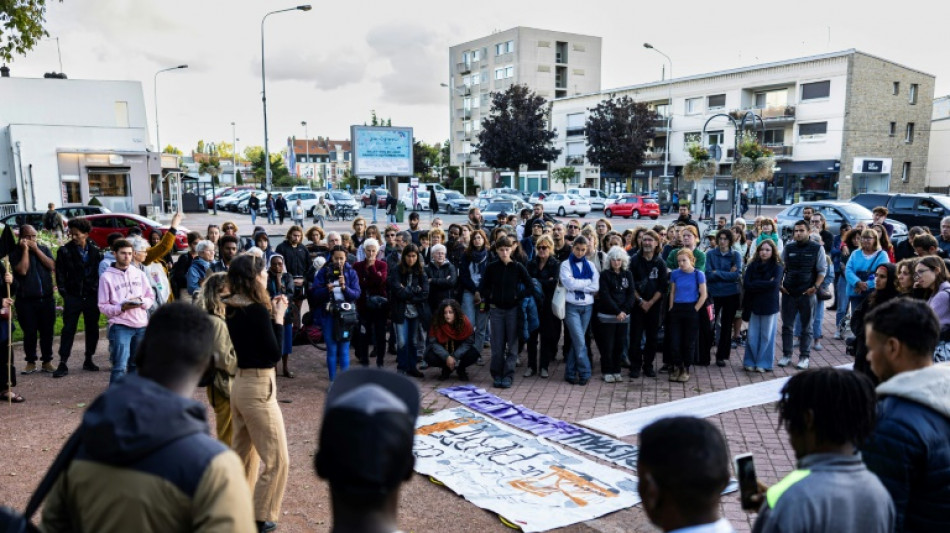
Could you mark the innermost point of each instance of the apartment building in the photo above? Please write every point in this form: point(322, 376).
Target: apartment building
point(839, 123)
point(554, 64)
point(321, 160)
point(938, 158)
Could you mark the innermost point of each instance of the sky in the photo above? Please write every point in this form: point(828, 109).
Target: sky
point(334, 64)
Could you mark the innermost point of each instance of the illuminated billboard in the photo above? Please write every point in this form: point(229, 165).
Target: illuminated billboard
point(381, 151)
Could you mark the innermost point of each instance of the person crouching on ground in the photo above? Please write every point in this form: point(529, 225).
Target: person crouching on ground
point(125, 295)
point(336, 284)
point(451, 342)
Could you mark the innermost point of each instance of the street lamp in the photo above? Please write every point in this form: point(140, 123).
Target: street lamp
point(306, 136)
point(267, 175)
point(158, 142)
point(669, 112)
point(464, 180)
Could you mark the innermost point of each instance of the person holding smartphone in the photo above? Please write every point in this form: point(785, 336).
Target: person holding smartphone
point(125, 295)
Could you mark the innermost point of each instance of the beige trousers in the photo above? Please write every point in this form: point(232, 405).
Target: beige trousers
point(260, 437)
point(222, 414)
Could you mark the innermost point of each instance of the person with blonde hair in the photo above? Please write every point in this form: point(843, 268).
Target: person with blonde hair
point(211, 299)
point(687, 297)
point(615, 302)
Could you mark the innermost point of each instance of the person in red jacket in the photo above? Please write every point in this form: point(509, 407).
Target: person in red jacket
point(372, 306)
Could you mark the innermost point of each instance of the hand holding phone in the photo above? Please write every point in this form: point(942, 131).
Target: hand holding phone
point(751, 493)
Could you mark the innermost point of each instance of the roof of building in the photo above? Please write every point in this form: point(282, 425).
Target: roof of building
point(319, 146)
point(740, 70)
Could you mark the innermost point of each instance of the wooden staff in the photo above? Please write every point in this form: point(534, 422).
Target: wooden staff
point(6, 264)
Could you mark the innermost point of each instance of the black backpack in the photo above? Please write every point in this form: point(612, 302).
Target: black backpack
point(13, 522)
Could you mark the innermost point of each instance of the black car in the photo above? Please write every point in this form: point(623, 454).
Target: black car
point(918, 209)
point(20, 218)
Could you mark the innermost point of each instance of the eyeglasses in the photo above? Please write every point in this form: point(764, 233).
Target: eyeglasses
point(919, 273)
point(572, 226)
point(544, 247)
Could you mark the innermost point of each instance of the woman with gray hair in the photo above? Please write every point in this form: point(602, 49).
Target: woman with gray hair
point(614, 305)
point(200, 265)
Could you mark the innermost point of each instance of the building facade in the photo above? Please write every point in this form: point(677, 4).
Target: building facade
point(938, 158)
point(70, 141)
point(322, 160)
point(839, 124)
point(553, 64)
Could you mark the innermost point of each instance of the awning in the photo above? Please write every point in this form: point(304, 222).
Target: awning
point(807, 167)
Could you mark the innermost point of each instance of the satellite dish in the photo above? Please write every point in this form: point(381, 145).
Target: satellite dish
point(715, 152)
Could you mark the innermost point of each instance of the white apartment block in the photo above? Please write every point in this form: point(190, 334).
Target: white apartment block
point(68, 141)
point(553, 64)
point(839, 124)
point(938, 158)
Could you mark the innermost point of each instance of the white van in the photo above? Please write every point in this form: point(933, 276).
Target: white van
point(596, 197)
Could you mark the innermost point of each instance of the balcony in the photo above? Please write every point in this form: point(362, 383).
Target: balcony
point(659, 124)
point(781, 152)
point(574, 160)
point(503, 84)
point(772, 115)
point(464, 90)
point(654, 157)
point(463, 67)
point(464, 114)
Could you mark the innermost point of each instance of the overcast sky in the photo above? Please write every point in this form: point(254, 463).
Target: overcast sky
point(332, 65)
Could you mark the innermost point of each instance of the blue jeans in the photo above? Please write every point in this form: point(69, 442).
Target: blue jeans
point(406, 344)
point(123, 342)
point(478, 319)
point(375, 206)
point(253, 216)
point(577, 318)
point(841, 289)
point(271, 216)
point(760, 350)
point(338, 353)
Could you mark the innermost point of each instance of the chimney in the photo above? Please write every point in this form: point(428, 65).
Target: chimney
point(4, 71)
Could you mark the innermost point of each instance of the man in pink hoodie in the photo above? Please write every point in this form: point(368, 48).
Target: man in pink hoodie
point(125, 296)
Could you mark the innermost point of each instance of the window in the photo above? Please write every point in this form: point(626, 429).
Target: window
point(663, 110)
point(816, 90)
point(912, 94)
point(909, 133)
point(716, 101)
point(499, 73)
point(772, 137)
point(714, 137)
point(509, 72)
point(575, 124)
point(466, 58)
point(905, 176)
point(476, 55)
point(812, 131)
point(893, 129)
point(691, 137)
point(504, 48)
point(476, 78)
point(771, 99)
point(71, 190)
point(897, 87)
point(122, 114)
point(467, 81)
point(575, 153)
point(693, 105)
point(903, 203)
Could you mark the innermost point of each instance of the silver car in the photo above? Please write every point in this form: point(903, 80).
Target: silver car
point(835, 213)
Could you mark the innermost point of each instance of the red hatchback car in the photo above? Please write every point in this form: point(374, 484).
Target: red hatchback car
point(103, 225)
point(634, 206)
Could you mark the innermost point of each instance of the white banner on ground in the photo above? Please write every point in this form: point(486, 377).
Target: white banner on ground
point(531, 483)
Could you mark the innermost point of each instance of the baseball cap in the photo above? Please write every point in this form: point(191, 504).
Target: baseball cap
point(367, 434)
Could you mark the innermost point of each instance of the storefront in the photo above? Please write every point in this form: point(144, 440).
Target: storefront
point(870, 174)
point(117, 181)
point(802, 181)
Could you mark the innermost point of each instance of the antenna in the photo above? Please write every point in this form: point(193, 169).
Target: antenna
point(60, 54)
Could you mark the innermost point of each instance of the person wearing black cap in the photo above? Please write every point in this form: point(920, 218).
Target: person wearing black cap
point(365, 449)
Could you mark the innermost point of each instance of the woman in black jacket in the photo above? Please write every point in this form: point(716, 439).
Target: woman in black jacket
point(443, 278)
point(255, 324)
point(545, 269)
point(614, 305)
point(885, 289)
point(408, 294)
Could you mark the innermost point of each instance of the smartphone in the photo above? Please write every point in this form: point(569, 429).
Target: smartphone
point(748, 484)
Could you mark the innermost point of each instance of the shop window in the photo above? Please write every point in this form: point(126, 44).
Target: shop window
point(112, 189)
point(71, 192)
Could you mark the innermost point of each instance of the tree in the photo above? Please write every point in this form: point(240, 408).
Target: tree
point(22, 26)
point(211, 165)
point(201, 146)
point(238, 179)
point(424, 157)
point(563, 175)
point(172, 150)
point(280, 176)
point(617, 131)
point(376, 121)
point(516, 132)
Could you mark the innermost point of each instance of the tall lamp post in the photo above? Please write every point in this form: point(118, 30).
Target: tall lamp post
point(158, 142)
point(306, 136)
point(464, 180)
point(267, 175)
point(669, 112)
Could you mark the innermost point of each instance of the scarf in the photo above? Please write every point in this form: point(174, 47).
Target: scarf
point(445, 333)
point(580, 272)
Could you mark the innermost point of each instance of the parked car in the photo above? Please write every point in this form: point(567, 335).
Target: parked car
point(381, 195)
point(612, 198)
point(920, 209)
point(32, 218)
point(336, 198)
point(835, 212)
point(422, 201)
point(537, 196)
point(106, 224)
point(491, 193)
point(454, 202)
point(73, 211)
point(634, 206)
point(496, 207)
point(225, 192)
point(229, 203)
point(307, 197)
point(241, 206)
point(595, 197)
point(565, 204)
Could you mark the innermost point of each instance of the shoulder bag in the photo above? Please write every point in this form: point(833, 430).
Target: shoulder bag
point(559, 301)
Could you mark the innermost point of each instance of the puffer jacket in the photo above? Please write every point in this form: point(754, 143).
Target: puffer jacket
point(910, 447)
point(720, 278)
